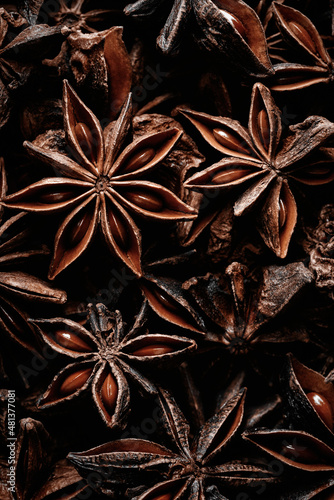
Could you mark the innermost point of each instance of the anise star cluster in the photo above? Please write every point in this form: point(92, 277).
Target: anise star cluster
point(166, 250)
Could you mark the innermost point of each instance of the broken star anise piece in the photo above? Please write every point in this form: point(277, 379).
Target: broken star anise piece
point(101, 186)
point(261, 163)
point(106, 358)
point(185, 470)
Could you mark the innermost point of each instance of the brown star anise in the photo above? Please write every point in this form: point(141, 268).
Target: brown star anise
point(241, 305)
point(36, 477)
point(185, 470)
point(319, 244)
point(299, 32)
point(106, 358)
point(18, 56)
point(263, 163)
point(228, 27)
point(101, 186)
point(310, 404)
point(74, 16)
point(18, 284)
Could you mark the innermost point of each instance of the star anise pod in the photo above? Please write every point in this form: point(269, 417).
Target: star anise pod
point(106, 358)
point(102, 186)
point(185, 470)
point(36, 477)
point(228, 27)
point(240, 306)
point(319, 244)
point(74, 15)
point(18, 56)
point(18, 284)
point(263, 163)
point(299, 32)
point(310, 448)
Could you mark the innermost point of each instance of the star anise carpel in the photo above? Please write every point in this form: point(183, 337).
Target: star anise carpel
point(262, 163)
point(105, 358)
point(187, 469)
point(101, 186)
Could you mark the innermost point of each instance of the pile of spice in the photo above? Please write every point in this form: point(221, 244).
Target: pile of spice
point(167, 250)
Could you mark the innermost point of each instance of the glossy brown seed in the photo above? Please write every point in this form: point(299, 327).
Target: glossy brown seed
point(153, 350)
point(74, 381)
point(299, 452)
point(281, 214)
point(263, 127)
point(138, 160)
point(317, 171)
point(230, 141)
point(56, 197)
point(165, 496)
point(145, 200)
point(322, 407)
point(118, 230)
point(227, 176)
point(236, 23)
point(109, 392)
point(70, 340)
point(86, 140)
point(301, 33)
point(165, 300)
point(79, 229)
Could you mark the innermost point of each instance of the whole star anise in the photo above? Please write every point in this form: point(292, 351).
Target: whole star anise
point(74, 15)
point(263, 163)
point(309, 445)
point(299, 32)
point(240, 306)
point(101, 186)
point(106, 358)
point(187, 470)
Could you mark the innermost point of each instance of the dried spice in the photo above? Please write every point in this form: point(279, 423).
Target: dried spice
point(190, 469)
point(102, 187)
point(240, 306)
point(17, 284)
point(36, 476)
point(258, 158)
point(310, 448)
point(105, 359)
point(19, 54)
point(142, 353)
point(297, 30)
point(319, 245)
